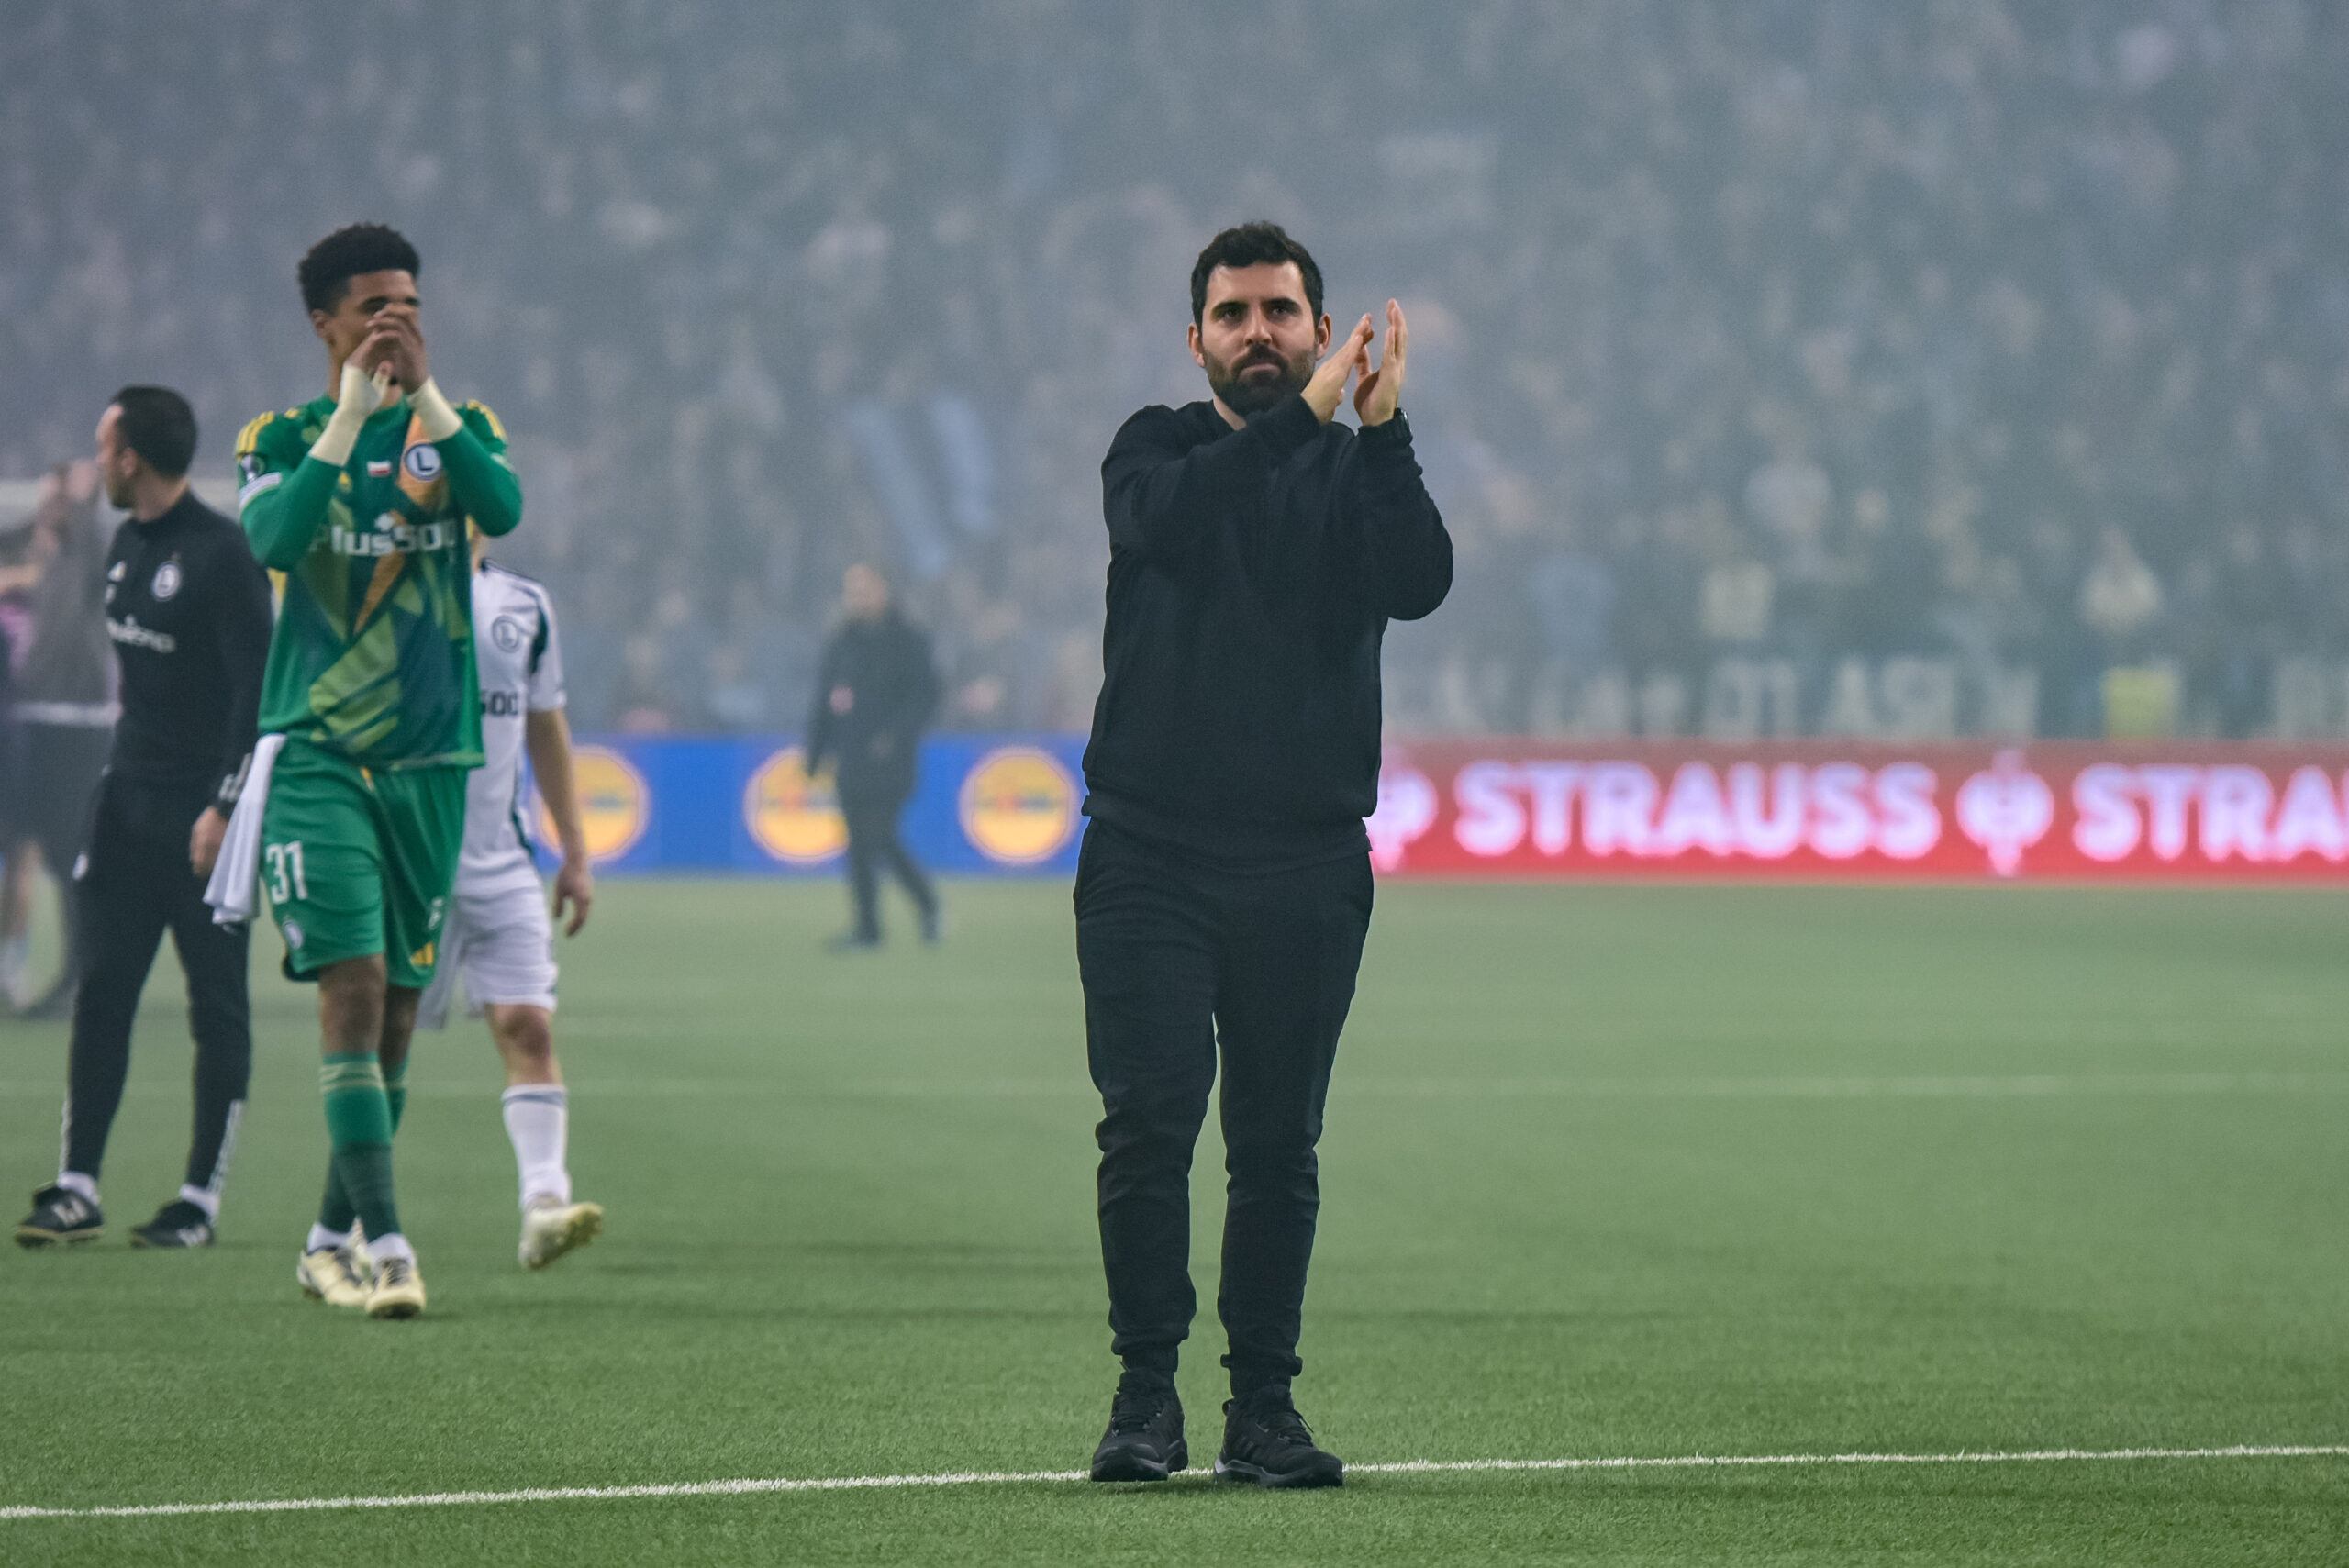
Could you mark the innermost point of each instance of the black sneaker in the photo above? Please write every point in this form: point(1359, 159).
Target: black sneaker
point(852, 942)
point(60, 1214)
point(1144, 1442)
point(178, 1223)
point(1266, 1442)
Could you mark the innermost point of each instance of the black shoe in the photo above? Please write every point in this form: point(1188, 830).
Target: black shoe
point(1266, 1442)
point(1144, 1442)
point(852, 942)
point(178, 1223)
point(60, 1214)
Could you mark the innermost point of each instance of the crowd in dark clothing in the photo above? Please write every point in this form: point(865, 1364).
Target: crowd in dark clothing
point(1760, 335)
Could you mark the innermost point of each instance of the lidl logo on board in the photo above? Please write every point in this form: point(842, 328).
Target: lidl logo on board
point(794, 818)
point(1018, 805)
point(615, 805)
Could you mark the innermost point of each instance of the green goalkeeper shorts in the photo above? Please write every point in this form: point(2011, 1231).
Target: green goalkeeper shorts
point(358, 861)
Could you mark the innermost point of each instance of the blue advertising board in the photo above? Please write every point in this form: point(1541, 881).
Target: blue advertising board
point(982, 805)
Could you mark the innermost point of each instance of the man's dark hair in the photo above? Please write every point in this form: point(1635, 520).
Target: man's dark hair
point(159, 426)
point(326, 273)
point(1250, 245)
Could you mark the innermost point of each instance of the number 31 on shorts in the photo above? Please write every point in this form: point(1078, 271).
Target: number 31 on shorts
point(284, 871)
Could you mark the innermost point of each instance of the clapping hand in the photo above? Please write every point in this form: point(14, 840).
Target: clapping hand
point(1323, 392)
point(363, 390)
point(1380, 391)
point(395, 344)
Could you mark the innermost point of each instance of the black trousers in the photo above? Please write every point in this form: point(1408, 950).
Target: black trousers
point(873, 849)
point(136, 885)
point(1179, 959)
point(62, 764)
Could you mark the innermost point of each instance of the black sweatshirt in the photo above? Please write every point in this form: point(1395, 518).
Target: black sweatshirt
point(188, 609)
point(1252, 576)
point(878, 687)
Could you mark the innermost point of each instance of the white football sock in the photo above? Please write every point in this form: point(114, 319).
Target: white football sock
point(75, 1182)
point(538, 1120)
point(323, 1240)
point(205, 1198)
point(386, 1248)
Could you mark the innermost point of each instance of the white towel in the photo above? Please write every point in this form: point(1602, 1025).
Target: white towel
point(232, 890)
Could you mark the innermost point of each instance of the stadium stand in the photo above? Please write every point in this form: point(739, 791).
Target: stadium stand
point(1819, 368)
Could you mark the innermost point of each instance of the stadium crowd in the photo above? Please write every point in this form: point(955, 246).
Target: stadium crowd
point(1819, 367)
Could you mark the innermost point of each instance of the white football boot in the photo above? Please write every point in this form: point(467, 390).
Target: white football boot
point(551, 1228)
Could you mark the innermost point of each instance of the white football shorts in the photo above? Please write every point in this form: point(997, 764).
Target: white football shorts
point(498, 938)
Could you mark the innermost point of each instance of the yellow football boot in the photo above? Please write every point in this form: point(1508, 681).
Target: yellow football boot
point(329, 1275)
point(399, 1289)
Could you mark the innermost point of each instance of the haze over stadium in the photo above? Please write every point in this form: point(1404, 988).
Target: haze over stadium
point(1774, 332)
point(1875, 444)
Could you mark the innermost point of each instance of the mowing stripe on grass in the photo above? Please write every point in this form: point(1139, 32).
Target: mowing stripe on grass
point(1759, 1087)
point(2034, 1085)
point(2017, 1086)
point(999, 1477)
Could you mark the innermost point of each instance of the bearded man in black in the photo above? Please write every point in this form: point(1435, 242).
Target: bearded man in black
point(1257, 551)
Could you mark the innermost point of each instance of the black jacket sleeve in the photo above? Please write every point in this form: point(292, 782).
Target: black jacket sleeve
point(922, 688)
point(1408, 551)
point(242, 621)
point(1162, 496)
point(819, 741)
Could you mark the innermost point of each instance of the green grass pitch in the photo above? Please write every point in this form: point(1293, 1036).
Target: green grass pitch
point(1609, 1172)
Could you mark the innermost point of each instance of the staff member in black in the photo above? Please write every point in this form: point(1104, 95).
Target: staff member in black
point(1256, 553)
point(188, 610)
point(877, 689)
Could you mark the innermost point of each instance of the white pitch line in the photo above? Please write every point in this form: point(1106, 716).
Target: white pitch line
point(1001, 1477)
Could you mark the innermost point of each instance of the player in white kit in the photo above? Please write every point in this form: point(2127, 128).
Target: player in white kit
point(497, 935)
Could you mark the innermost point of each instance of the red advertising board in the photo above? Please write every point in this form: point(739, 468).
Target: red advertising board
point(1828, 811)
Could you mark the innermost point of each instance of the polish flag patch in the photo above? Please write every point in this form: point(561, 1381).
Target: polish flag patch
point(379, 468)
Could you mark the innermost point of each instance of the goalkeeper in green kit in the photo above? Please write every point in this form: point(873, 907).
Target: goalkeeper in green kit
point(361, 499)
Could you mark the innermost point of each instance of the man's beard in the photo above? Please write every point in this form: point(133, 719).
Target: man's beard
point(1245, 394)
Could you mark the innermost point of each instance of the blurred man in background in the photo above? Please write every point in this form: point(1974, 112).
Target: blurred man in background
point(1257, 551)
point(188, 612)
point(877, 690)
point(63, 705)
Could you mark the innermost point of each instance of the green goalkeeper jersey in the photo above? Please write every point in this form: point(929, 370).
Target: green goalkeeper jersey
point(372, 656)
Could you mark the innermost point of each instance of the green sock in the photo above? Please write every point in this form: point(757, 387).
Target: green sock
point(335, 1211)
point(358, 1126)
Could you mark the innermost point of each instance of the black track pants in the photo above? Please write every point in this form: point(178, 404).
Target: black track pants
point(873, 849)
point(137, 883)
point(1179, 959)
